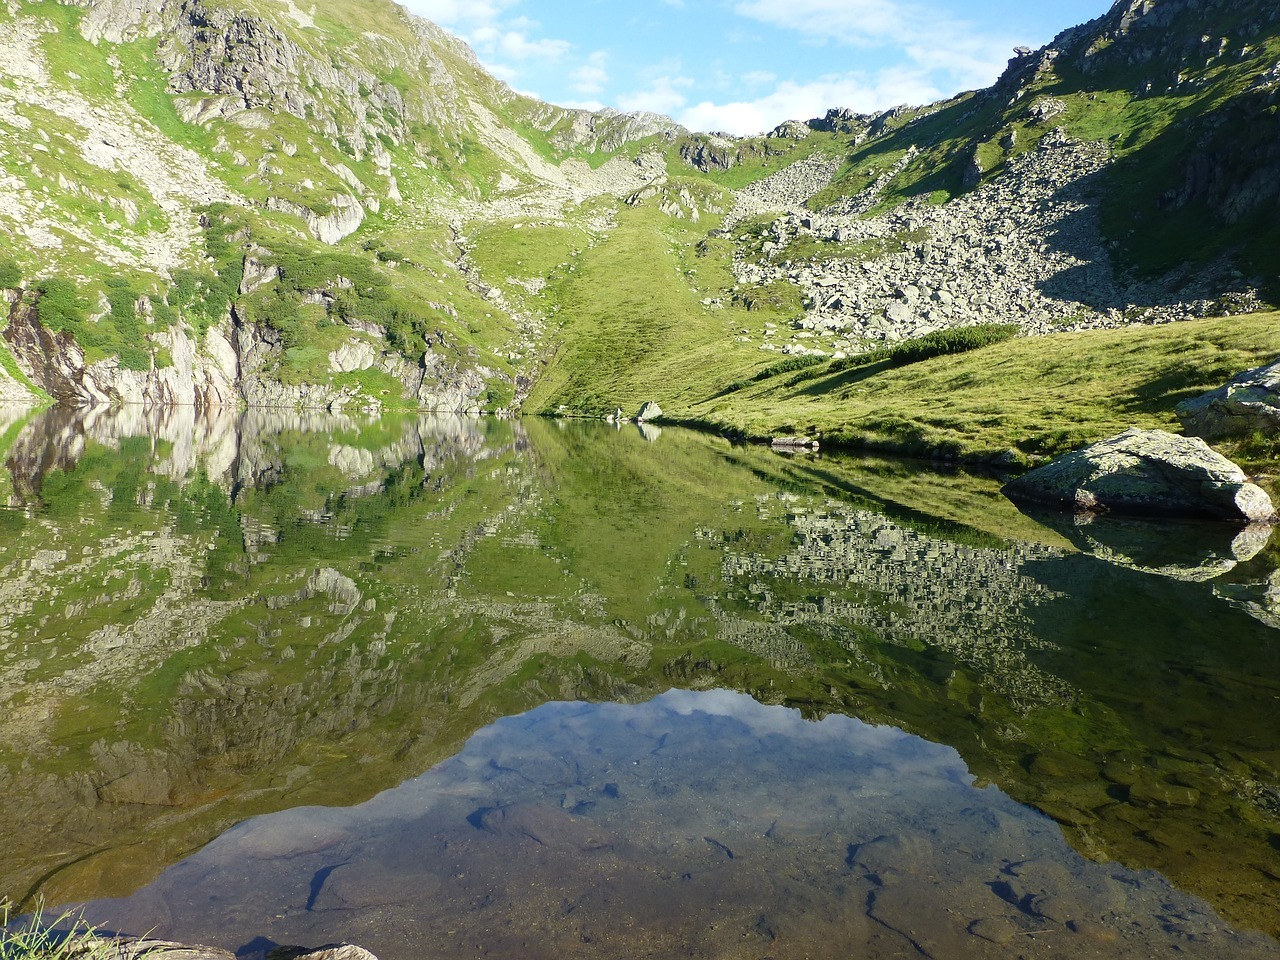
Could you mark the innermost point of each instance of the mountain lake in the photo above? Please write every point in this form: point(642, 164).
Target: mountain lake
point(451, 687)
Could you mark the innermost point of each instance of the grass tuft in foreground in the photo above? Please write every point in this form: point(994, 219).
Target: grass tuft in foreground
point(32, 938)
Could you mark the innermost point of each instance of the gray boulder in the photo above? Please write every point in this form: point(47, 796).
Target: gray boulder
point(1146, 472)
point(650, 411)
point(1249, 403)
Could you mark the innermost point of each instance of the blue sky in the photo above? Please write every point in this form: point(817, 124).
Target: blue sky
point(744, 66)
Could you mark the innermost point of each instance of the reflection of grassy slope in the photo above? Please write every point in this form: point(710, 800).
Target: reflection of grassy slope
point(621, 508)
point(953, 505)
point(1037, 397)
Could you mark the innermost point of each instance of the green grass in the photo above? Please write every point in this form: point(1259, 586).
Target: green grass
point(1019, 401)
point(634, 327)
point(524, 250)
point(33, 938)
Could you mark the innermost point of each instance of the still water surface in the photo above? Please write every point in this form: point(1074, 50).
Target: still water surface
point(881, 681)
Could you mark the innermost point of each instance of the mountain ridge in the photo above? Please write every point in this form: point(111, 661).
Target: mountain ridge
point(228, 202)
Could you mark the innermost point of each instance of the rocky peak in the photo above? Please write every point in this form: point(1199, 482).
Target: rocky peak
point(841, 120)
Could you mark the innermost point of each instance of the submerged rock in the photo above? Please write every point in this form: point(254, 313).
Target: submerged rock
point(1194, 551)
point(1147, 472)
point(128, 948)
point(131, 948)
point(1248, 404)
point(331, 951)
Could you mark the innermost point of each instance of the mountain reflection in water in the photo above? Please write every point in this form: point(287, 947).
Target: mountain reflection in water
point(698, 824)
point(207, 616)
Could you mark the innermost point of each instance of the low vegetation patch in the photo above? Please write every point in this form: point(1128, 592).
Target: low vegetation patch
point(789, 365)
point(939, 343)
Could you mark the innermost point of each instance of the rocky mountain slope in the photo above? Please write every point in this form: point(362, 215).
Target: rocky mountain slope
point(225, 201)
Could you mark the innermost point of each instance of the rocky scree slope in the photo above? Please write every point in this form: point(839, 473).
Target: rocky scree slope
point(1062, 198)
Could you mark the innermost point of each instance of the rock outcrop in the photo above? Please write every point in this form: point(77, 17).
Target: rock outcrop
point(343, 218)
point(202, 372)
point(1249, 404)
point(1147, 472)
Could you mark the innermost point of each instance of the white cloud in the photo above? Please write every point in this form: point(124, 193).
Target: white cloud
point(665, 94)
point(455, 12)
point(592, 76)
point(929, 39)
point(505, 44)
point(594, 106)
point(515, 44)
point(797, 101)
point(850, 21)
point(759, 78)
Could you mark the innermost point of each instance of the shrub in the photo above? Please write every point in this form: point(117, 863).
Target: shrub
point(60, 305)
point(939, 343)
point(10, 275)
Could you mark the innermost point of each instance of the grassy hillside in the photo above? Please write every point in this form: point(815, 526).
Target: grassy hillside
point(1017, 401)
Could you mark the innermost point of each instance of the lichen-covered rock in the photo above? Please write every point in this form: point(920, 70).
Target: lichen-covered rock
point(1249, 403)
point(1147, 472)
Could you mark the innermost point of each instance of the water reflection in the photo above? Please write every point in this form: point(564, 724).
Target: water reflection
point(1191, 550)
point(696, 824)
point(206, 616)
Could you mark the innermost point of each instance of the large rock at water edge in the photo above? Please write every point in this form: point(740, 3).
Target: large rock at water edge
point(1147, 472)
point(1248, 404)
point(650, 411)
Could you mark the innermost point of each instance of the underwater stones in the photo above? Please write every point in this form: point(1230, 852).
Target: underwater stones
point(1151, 792)
point(130, 948)
point(332, 951)
point(1146, 472)
point(1249, 403)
